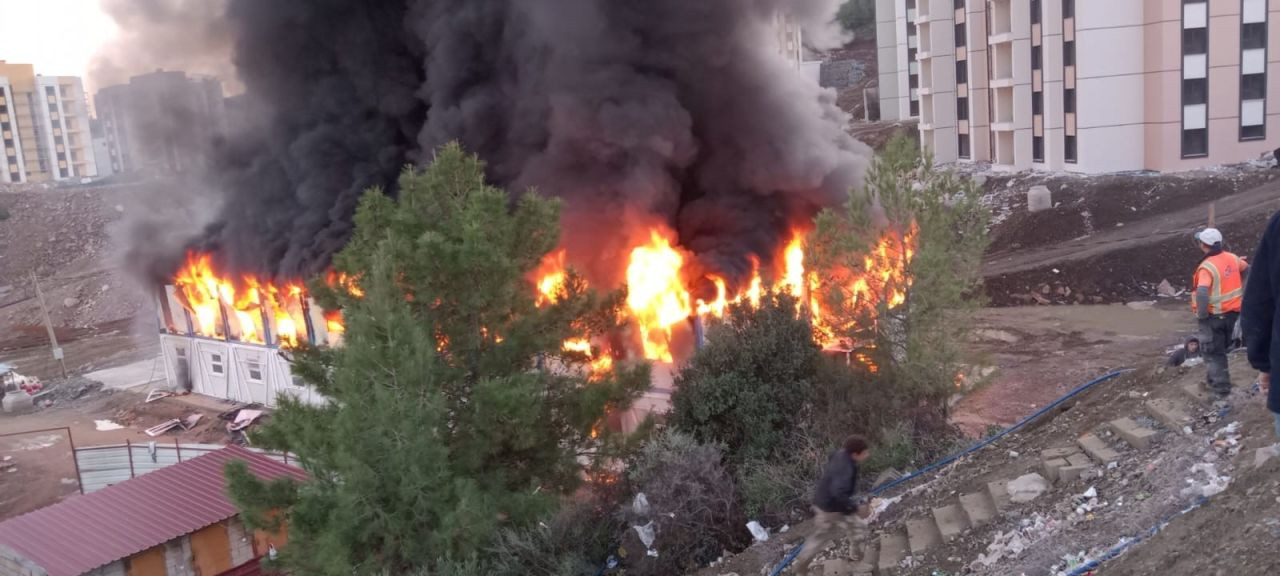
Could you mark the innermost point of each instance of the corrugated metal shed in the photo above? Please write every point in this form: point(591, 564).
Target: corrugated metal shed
point(102, 466)
point(85, 532)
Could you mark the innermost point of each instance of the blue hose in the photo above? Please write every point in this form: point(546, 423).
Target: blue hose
point(978, 446)
point(1119, 549)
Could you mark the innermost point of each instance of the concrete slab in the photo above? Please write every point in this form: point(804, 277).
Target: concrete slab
point(1097, 449)
point(922, 534)
point(1196, 391)
point(1169, 413)
point(999, 492)
point(1134, 434)
point(838, 567)
point(870, 559)
point(893, 550)
point(136, 375)
point(951, 521)
point(1262, 455)
point(1071, 473)
point(1056, 453)
point(979, 508)
point(1051, 468)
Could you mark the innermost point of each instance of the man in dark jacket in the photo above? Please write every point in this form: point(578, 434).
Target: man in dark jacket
point(1261, 326)
point(833, 505)
point(1189, 351)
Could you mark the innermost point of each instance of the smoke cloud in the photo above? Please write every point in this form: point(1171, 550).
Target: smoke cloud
point(187, 35)
point(664, 112)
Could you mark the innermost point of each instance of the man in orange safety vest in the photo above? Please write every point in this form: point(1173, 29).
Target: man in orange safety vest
point(1219, 291)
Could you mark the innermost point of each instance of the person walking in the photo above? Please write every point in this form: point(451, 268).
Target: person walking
point(1258, 318)
point(1216, 302)
point(835, 512)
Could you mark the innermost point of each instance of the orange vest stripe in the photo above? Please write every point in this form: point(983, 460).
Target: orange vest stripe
point(1227, 292)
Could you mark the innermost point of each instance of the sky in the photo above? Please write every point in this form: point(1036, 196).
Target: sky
point(59, 37)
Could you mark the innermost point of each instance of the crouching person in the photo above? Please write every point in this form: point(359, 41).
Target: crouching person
point(835, 512)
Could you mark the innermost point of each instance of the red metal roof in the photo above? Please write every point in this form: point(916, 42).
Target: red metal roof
point(85, 532)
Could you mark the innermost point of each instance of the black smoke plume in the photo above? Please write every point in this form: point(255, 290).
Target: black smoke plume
point(662, 112)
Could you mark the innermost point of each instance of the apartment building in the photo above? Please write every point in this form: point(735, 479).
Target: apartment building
point(44, 126)
point(1089, 86)
point(161, 122)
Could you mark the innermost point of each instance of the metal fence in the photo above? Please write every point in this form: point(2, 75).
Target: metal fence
point(102, 466)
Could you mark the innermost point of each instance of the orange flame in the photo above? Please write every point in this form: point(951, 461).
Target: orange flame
point(599, 364)
point(247, 303)
point(550, 277)
point(656, 294)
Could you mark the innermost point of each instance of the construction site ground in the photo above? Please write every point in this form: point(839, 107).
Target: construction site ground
point(1073, 292)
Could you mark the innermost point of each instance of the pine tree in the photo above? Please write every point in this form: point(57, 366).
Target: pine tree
point(453, 410)
point(919, 340)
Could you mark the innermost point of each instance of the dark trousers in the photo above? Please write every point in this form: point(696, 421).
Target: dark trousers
point(1215, 336)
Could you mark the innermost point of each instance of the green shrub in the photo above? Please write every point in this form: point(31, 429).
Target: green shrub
point(4, 213)
point(572, 542)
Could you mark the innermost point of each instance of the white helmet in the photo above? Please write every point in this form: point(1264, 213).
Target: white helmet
point(1209, 236)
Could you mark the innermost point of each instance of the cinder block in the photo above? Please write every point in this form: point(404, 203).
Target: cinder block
point(1169, 413)
point(922, 534)
point(999, 492)
point(893, 550)
point(1097, 449)
point(1133, 433)
point(837, 567)
point(979, 508)
point(951, 521)
point(1078, 460)
point(1051, 468)
point(1071, 473)
point(1056, 453)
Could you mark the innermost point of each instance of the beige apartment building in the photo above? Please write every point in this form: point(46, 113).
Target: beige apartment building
point(44, 127)
point(1088, 86)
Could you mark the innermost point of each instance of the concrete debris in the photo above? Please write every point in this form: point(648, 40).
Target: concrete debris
point(1027, 487)
point(1038, 199)
point(1166, 290)
point(106, 425)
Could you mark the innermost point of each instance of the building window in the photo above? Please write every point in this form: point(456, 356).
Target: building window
point(1069, 53)
point(1253, 36)
point(1195, 143)
point(959, 4)
point(1037, 61)
point(1195, 91)
point(963, 145)
point(1037, 103)
point(962, 71)
point(1255, 132)
point(1035, 11)
point(960, 34)
point(913, 81)
point(1195, 40)
point(1069, 149)
point(254, 368)
point(1068, 8)
point(914, 108)
point(215, 363)
point(1037, 148)
point(1252, 87)
point(962, 108)
point(1069, 100)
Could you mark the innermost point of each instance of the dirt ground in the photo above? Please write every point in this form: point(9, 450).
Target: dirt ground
point(38, 441)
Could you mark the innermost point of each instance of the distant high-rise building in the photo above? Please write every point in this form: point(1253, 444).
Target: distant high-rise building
point(1087, 86)
point(162, 122)
point(44, 127)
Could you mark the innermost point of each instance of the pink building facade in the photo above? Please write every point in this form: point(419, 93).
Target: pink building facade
point(1089, 86)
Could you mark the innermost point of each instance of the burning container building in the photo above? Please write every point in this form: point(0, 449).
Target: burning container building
point(229, 340)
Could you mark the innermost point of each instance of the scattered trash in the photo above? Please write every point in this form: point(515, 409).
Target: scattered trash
point(1090, 493)
point(646, 534)
point(1227, 439)
point(1013, 454)
point(1166, 290)
point(784, 528)
point(1027, 487)
point(190, 421)
point(1011, 544)
point(757, 531)
point(640, 505)
point(1211, 486)
point(163, 427)
point(106, 425)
